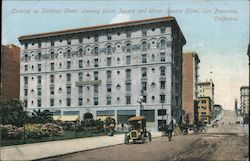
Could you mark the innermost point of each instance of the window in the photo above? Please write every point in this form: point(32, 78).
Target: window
point(162, 44)
point(80, 63)
point(68, 77)
point(109, 87)
point(68, 54)
point(80, 101)
point(68, 64)
point(128, 34)
point(80, 90)
point(109, 36)
point(96, 38)
point(95, 88)
point(109, 61)
point(80, 76)
point(25, 80)
point(96, 50)
point(25, 103)
point(162, 112)
point(108, 100)
point(68, 89)
point(80, 52)
point(162, 98)
point(128, 87)
point(25, 92)
point(39, 91)
point(109, 49)
point(128, 48)
point(109, 74)
point(26, 57)
point(52, 43)
point(52, 90)
point(203, 101)
point(128, 60)
point(26, 67)
point(144, 58)
point(39, 56)
point(162, 71)
point(39, 103)
point(52, 102)
point(80, 40)
point(95, 100)
point(52, 77)
point(96, 75)
point(144, 99)
point(162, 56)
point(96, 62)
point(26, 45)
point(163, 83)
point(162, 30)
point(68, 101)
point(144, 46)
point(128, 74)
point(52, 55)
point(144, 72)
point(39, 45)
point(39, 79)
point(69, 42)
point(52, 66)
point(39, 67)
point(144, 86)
point(144, 32)
point(128, 100)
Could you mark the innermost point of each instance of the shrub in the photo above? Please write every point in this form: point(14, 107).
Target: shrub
point(11, 132)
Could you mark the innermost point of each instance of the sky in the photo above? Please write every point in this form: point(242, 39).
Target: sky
point(218, 31)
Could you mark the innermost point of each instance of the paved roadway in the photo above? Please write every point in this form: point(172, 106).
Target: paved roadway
point(227, 142)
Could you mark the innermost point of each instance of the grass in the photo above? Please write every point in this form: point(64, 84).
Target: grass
point(66, 136)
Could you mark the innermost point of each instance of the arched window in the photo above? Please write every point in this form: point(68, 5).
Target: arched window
point(144, 45)
point(163, 44)
point(80, 52)
point(52, 55)
point(96, 50)
point(68, 54)
point(109, 49)
point(26, 57)
point(39, 56)
point(128, 48)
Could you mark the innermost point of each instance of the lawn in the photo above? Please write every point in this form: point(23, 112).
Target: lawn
point(66, 135)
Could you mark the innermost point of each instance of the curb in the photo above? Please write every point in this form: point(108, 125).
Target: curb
point(101, 147)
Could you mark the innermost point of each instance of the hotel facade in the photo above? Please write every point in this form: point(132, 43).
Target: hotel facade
point(106, 70)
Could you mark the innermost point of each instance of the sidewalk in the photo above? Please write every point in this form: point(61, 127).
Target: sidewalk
point(55, 148)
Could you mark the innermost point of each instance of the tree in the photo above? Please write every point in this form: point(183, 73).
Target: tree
point(12, 112)
point(41, 116)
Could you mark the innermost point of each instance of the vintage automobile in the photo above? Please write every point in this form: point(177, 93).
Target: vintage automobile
point(215, 124)
point(137, 130)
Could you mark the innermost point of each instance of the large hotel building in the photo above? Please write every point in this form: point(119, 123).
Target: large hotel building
point(104, 70)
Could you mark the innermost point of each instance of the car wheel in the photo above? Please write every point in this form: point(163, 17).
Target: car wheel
point(143, 139)
point(149, 136)
point(126, 139)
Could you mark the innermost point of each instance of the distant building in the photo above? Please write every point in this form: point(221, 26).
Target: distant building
point(103, 70)
point(206, 89)
point(204, 109)
point(244, 101)
point(217, 110)
point(190, 69)
point(10, 68)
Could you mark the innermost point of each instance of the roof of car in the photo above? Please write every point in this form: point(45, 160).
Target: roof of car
point(136, 118)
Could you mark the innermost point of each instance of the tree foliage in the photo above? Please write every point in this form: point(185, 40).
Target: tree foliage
point(41, 117)
point(12, 112)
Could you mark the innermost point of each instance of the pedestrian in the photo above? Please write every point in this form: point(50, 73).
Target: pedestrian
point(170, 130)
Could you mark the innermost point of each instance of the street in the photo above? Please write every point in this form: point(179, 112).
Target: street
point(227, 142)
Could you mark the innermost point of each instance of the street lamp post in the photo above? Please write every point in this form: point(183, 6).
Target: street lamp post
point(140, 102)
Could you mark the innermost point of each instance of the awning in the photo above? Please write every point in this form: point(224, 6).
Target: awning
point(56, 117)
point(69, 118)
